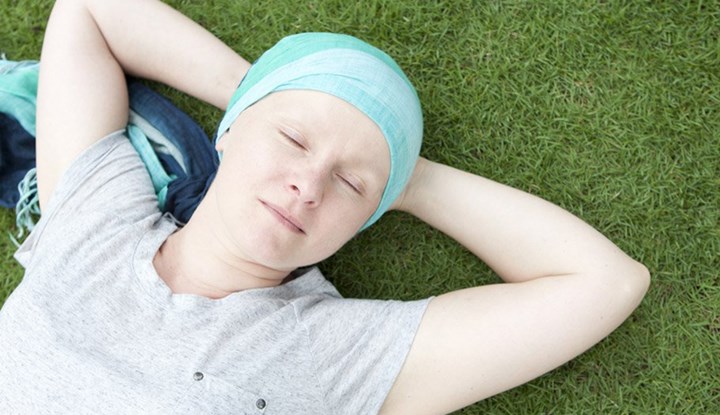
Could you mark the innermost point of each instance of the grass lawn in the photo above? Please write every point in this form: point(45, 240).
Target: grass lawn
point(609, 110)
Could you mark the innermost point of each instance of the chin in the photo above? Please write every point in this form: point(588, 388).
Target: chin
point(268, 247)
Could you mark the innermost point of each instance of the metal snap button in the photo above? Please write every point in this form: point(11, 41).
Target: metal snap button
point(260, 403)
point(198, 376)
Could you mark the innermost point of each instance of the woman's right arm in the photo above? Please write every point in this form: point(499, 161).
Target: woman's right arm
point(90, 45)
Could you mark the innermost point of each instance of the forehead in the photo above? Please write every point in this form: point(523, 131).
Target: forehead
point(323, 111)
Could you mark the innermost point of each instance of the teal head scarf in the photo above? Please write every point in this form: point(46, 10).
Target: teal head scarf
point(354, 71)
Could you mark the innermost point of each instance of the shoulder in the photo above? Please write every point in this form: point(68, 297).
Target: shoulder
point(104, 189)
point(107, 176)
point(358, 345)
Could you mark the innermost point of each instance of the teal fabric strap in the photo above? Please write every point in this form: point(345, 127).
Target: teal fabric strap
point(160, 179)
point(18, 91)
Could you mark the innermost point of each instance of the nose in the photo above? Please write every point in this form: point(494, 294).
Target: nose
point(308, 187)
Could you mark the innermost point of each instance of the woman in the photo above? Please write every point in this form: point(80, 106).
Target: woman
point(122, 311)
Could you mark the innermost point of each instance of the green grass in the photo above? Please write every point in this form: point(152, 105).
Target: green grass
point(610, 110)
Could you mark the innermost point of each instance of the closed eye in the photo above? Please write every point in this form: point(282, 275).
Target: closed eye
point(292, 140)
point(350, 184)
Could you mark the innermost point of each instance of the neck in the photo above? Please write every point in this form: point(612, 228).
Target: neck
point(194, 260)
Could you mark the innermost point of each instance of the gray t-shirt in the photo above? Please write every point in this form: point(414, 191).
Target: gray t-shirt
point(93, 329)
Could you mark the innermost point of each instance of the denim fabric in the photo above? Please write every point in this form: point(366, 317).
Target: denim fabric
point(18, 89)
point(179, 136)
point(17, 156)
point(182, 132)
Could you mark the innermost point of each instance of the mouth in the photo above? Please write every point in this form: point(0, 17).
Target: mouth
point(284, 217)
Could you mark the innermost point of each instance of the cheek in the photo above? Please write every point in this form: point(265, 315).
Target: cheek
point(254, 160)
point(345, 218)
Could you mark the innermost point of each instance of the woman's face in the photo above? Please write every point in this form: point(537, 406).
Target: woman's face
point(301, 172)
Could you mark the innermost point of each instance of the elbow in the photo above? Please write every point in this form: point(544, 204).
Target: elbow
point(620, 291)
point(641, 277)
point(634, 284)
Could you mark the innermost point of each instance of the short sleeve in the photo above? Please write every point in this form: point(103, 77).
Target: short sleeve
point(360, 347)
point(109, 179)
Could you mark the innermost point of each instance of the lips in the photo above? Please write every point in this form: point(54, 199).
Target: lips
point(284, 217)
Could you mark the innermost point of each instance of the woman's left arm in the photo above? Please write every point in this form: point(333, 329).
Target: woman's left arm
point(568, 287)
